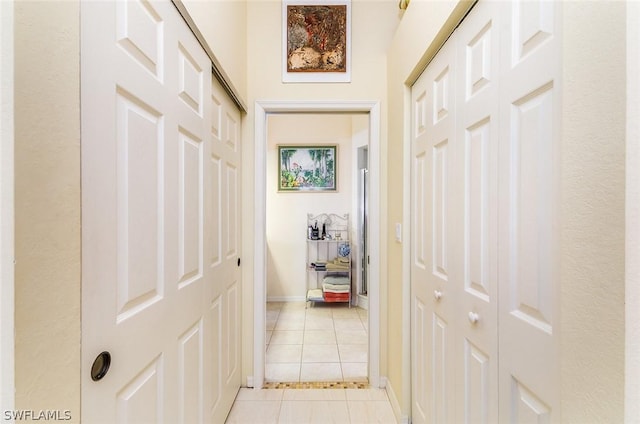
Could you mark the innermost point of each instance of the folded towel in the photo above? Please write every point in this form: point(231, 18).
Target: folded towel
point(330, 288)
point(337, 267)
point(338, 279)
point(315, 295)
point(332, 297)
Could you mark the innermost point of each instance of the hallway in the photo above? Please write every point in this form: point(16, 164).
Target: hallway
point(117, 224)
point(307, 406)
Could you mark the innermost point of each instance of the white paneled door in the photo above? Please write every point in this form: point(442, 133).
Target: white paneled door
point(433, 297)
point(160, 200)
point(484, 180)
point(529, 213)
point(476, 219)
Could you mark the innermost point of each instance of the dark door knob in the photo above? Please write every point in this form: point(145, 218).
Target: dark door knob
point(100, 366)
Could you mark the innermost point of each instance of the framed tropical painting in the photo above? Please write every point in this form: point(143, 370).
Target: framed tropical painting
point(307, 168)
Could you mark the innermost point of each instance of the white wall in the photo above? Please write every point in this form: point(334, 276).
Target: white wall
point(287, 211)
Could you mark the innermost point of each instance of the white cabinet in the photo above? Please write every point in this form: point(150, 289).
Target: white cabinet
point(328, 258)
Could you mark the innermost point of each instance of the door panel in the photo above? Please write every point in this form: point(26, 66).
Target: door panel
point(142, 399)
point(140, 238)
point(158, 293)
point(140, 32)
point(224, 233)
point(420, 406)
point(441, 372)
point(528, 211)
point(478, 379)
point(476, 222)
point(440, 213)
point(191, 208)
point(190, 372)
point(526, 407)
point(433, 305)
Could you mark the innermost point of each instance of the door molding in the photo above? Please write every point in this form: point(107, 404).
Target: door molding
point(262, 109)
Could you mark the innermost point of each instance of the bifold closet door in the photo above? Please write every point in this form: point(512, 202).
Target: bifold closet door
point(484, 217)
point(433, 278)
point(475, 222)
point(529, 212)
point(159, 208)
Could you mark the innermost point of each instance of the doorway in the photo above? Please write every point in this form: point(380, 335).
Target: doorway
point(262, 111)
point(325, 340)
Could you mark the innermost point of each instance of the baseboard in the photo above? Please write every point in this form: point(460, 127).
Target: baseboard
point(395, 405)
point(286, 298)
point(362, 301)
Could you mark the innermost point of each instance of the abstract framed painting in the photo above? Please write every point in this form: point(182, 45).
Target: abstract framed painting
point(307, 168)
point(316, 41)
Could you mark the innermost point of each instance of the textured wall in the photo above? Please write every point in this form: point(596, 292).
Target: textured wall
point(47, 206)
point(592, 209)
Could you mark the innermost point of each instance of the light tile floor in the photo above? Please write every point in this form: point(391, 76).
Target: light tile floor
point(308, 406)
point(324, 342)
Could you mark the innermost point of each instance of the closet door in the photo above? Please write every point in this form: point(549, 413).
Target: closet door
point(485, 219)
point(528, 215)
point(223, 238)
point(475, 222)
point(433, 282)
point(160, 237)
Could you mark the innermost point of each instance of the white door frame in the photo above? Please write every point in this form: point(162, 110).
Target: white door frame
point(7, 301)
point(262, 109)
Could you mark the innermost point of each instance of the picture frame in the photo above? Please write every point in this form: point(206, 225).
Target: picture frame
point(316, 41)
point(307, 168)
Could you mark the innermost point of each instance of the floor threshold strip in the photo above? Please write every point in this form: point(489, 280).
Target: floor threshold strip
point(317, 385)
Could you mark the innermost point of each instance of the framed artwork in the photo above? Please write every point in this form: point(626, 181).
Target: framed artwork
point(316, 41)
point(307, 168)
